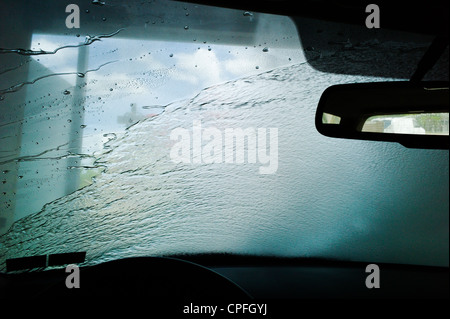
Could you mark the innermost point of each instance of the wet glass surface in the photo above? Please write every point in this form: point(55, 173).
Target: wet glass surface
point(87, 149)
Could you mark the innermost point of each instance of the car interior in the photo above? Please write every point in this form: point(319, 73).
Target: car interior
point(85, 137)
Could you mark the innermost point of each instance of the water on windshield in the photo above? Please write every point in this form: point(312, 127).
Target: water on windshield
point(147, 147)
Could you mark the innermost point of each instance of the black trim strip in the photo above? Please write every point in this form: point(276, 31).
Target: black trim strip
point(66, 258)
point(22, 263)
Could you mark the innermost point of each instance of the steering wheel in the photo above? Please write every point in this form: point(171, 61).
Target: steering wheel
point(150, 277)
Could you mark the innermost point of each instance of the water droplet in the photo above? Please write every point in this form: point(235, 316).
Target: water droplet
point(248, 14)
point(111, 89)
point(83, 126)
point(66, 92)
point(80, 75)
point(98, 2)
point(186, 27)
point(257, 67)
point(5, 171)
point(171, 55)
point(187, 14)
point(87, 11)
point(78, 35)
point(103, 19)
point(20, 177)
point(266, 49)
point(69, 121)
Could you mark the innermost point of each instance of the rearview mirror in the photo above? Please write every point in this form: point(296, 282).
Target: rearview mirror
point(415, 115)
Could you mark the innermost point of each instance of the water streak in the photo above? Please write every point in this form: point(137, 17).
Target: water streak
point(17, 87)
point(13, 68)
point(89, 40)
point(39, 156)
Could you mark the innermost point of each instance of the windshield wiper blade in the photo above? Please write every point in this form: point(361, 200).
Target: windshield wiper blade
point(43, 261)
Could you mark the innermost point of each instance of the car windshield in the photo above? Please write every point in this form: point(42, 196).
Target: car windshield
point(159, 128)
